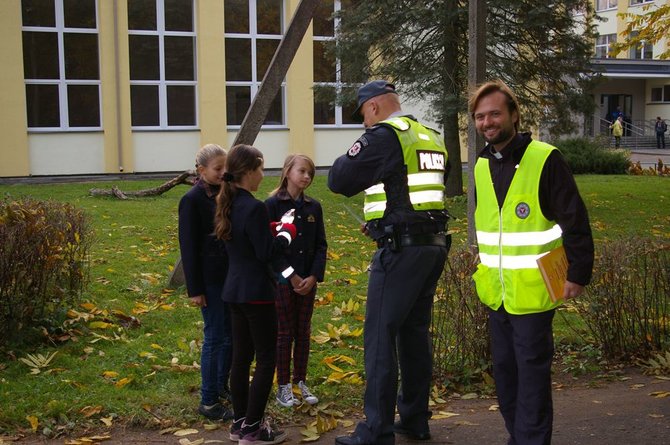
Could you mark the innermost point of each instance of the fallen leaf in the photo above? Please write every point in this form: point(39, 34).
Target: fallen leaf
point(33, 422)
point(185, 432)
point(444, 415)
point(89, 411)
point(123, 382)
point(660, 394)
point(188, 442)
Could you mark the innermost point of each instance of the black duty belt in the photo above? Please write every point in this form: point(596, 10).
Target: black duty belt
point(421, 239)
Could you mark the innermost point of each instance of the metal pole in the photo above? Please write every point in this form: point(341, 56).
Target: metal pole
point(476, 75)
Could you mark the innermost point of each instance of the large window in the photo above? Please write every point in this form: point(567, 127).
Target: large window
point(639, 2)
point(660, 94)
point(330, 82)
point(603, 44)
point(253, 31)
point(161, 44)
point(60, 64)
point(601, 5)
point(644, 50)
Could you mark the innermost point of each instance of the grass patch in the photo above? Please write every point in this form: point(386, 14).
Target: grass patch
point(134, 250)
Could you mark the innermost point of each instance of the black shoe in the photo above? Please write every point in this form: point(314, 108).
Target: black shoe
point(399, 428)
point(350, 440)
point(215, 412)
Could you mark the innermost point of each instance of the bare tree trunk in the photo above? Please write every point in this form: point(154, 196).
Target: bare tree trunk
point(185, 178)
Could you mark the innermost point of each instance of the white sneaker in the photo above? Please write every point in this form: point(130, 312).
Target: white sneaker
point(285, 396)
point(307, 395)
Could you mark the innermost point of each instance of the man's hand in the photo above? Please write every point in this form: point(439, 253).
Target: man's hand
point(572, 290)
point(199, 301)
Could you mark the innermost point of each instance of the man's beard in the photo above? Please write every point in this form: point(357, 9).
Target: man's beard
point(503, 135)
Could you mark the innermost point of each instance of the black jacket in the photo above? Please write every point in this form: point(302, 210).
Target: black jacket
point(377, 157)
point(307, 253)
point(203, 256)
point(251, 252)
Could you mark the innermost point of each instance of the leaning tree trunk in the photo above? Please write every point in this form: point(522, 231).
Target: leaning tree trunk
point(185, 178)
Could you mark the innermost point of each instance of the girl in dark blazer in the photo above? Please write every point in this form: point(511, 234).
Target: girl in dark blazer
point(205, 265)
point(295, 297)
point(243, 223)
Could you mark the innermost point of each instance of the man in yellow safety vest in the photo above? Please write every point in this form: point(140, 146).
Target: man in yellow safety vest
point(527, 205)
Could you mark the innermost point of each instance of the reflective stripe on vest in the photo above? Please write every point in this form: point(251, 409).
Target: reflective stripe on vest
point(425, 156)
point(513, 237)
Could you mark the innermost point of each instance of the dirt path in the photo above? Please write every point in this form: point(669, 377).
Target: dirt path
point(627, 411)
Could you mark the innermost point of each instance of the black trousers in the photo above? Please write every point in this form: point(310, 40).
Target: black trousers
point(254, 328)
point(523, 349)
point(397, 320)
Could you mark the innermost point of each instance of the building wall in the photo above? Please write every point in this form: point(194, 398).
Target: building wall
point(14, 154)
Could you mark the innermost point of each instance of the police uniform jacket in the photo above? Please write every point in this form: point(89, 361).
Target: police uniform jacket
point(203, 256)
point(377, 157)
point(559, 201)
point(252, 252)
point(307, 253)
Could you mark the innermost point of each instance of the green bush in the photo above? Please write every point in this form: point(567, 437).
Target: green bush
point(44, 249)
point(586, 155)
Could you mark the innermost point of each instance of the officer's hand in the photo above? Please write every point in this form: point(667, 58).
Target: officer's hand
point(199, 301)
point(364, 230)
point(572, 290)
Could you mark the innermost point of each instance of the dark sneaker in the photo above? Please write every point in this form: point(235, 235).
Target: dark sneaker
point(307, 395)
point(260, 433)
point(235, 429)
point(215, 412)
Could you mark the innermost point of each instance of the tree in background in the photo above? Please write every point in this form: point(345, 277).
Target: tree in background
point(649, 27)
point(541, 49)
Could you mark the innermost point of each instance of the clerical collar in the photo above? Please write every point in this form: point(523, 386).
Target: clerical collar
point(495, 152)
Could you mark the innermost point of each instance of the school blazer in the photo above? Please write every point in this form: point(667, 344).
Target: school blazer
point(203, 256)
point(253, 252)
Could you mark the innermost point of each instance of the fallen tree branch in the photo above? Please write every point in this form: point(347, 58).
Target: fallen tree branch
point(187, 177)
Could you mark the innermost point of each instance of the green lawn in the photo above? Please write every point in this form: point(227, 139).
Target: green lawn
point(111, 373)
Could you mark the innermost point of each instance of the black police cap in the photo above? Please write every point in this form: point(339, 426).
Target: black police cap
point(370, 90)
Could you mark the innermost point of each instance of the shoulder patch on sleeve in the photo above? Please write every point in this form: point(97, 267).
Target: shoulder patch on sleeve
point(355, 149)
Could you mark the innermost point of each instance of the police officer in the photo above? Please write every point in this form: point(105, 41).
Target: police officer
point(527, 205)
point(401, 166)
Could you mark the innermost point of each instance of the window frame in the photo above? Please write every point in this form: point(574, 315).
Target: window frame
point(338, 85)
point(62, 83)
point(609, 5)
point(642, 48)
point(606, 45)
point(161, 33)
point(253, 36)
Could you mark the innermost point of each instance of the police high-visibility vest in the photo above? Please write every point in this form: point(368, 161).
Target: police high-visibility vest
point(512, 238)
point(425, 157)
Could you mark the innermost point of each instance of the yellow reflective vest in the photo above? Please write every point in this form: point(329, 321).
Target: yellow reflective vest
point(513, 237)
point(425, 157)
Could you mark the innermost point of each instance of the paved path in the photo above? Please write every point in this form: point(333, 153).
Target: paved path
point(648, 157)
point(628, 411)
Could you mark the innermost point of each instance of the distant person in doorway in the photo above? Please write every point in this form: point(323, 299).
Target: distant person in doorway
point(661, 127)
point(617, 131)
